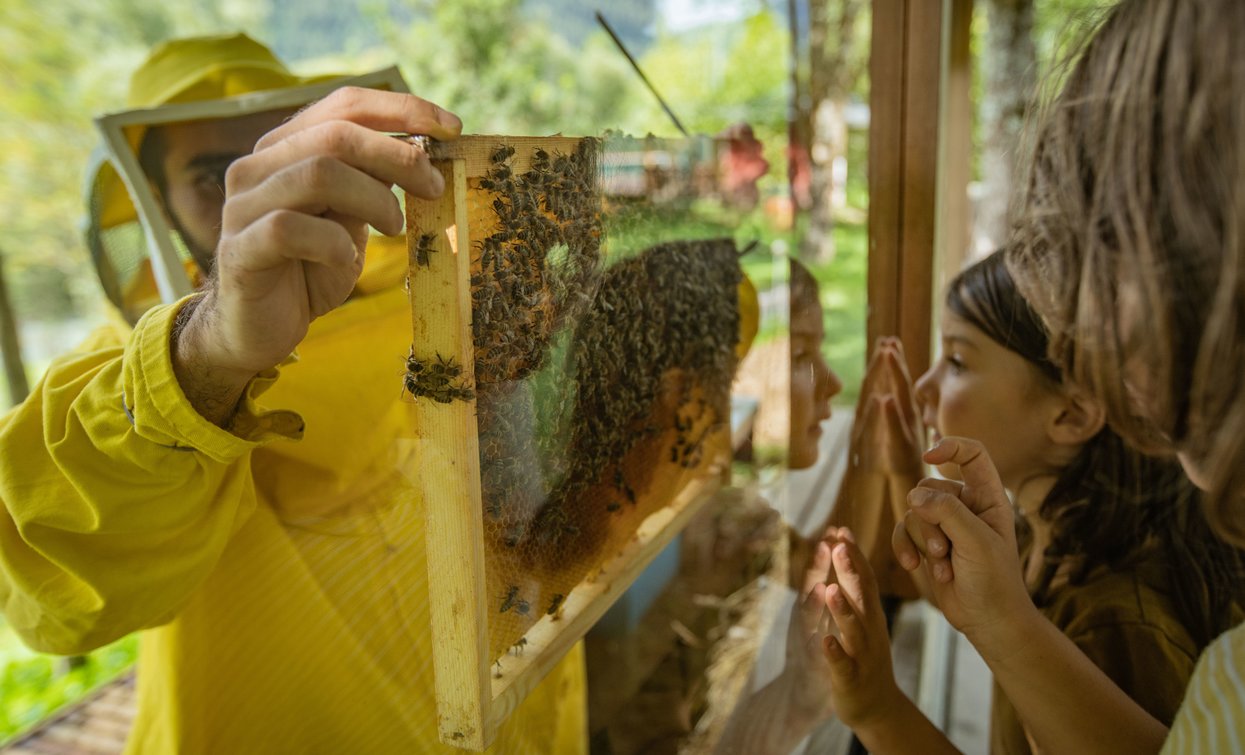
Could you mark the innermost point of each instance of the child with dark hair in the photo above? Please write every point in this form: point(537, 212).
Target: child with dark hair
point(1115, 552)
point(1130, 244)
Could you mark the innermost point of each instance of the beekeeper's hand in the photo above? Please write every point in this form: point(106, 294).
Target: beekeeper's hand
point(293, 233)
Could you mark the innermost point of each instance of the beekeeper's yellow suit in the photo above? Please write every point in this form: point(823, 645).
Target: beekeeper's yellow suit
point(279, 569)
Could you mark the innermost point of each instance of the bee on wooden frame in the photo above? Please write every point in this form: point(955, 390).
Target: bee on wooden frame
point(424, 249)
point(502, 153)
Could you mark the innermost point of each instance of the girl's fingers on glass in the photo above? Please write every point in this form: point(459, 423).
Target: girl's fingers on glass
point(818, 570)
point(851, 633)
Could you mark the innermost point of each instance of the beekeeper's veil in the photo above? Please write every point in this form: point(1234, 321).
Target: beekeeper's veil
point(140, 259)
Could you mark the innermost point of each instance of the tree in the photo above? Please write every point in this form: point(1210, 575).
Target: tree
point(10, 347)
point(838, 55)
point(502, 71)
point(56, 74)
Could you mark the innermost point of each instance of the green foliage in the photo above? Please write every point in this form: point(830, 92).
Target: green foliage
point(34, 686)
point(720, 75)
point(576, 22)
point(844, 301)
point(501, 72)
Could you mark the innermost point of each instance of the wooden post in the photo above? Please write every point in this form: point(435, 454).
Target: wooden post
point(886, 120)
point(10, 345)
point(907, 78)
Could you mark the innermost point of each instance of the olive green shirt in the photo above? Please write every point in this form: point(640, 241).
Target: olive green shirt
point(1127, 625)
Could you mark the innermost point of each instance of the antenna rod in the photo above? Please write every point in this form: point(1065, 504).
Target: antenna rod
point(636, 66)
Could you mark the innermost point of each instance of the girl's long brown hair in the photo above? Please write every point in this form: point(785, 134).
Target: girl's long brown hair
point(1130, 239)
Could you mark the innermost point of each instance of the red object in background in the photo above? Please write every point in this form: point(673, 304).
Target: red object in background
point(742, 165)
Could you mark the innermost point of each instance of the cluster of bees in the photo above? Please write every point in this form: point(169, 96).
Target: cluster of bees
point(536, 271)
point(440, 380)
point(538, 267)
point(537, 280)
point(672, 309)
point(687, 450)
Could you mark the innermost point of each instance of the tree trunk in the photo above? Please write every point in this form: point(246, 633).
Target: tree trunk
point(836, 64)
point(10, 347)
point(1010, 71)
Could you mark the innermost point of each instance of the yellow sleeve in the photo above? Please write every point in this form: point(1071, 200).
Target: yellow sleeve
point(118, 498)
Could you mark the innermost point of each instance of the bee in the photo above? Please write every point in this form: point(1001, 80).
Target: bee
point(511, 599)
point(523, 607)
point(524, 203)
point(424, 249)
point(448, 367)
point(517, 648)
point(502, 153)
point(554, 603)
point(413, 365)
point(497, 673)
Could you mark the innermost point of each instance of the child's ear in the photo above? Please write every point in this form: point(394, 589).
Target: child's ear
point(1079, 418)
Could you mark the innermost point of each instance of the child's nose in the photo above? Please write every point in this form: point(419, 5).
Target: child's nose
point(828, 385)
point(835, 383)
point(925, 393)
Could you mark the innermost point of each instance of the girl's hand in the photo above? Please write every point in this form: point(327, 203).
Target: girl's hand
point(964, 533)
point(888, 433)
point(863, 689)
point(809, 625)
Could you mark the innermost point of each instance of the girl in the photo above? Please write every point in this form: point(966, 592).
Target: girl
point(1109, 537)
point(1132, 247)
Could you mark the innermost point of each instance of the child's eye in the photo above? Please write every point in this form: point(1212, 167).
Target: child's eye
point(954, 362)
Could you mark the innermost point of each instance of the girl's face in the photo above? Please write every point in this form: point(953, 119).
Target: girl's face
point(979, 389)
point(813, 384)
